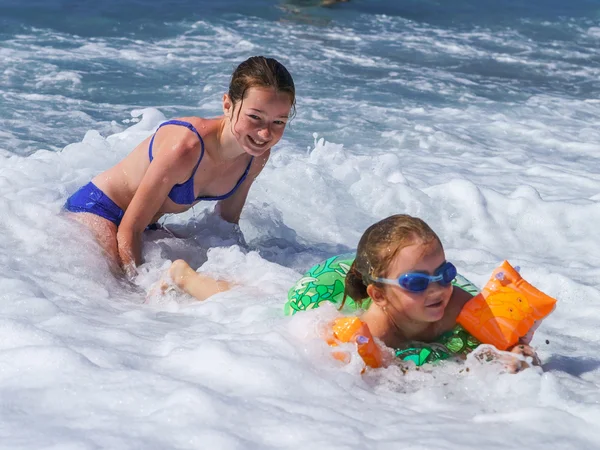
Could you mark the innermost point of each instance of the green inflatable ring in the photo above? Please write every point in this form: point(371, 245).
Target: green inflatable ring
point(324, 282)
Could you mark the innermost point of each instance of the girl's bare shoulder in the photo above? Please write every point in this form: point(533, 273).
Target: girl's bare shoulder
point(455, 306)
point(205, 127)
point(460, 297)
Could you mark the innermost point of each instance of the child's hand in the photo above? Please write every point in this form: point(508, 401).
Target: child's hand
point(524, 350)
point(509, 359)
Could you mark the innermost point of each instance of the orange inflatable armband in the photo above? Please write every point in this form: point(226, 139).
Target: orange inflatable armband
point(506, 309)
point(352, 329)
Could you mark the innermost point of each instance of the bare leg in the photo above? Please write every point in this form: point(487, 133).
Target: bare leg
point(105, 233)
point(193, 283)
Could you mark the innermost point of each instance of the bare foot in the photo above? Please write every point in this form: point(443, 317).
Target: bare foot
point(179, 271)
point(171, 280)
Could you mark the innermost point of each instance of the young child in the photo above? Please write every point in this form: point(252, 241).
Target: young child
point(401, 266)
point(401, 272)
point(189, 160)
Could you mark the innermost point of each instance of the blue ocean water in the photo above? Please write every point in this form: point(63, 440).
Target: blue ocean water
point(66, 66)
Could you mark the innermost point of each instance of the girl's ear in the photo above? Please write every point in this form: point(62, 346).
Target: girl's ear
point(227, 105)
point(377, 295)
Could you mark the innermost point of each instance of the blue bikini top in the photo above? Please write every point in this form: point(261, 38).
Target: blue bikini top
point(183, 194)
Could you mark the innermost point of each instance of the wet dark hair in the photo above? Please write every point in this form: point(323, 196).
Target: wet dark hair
point(378, 246)
point(259, 71)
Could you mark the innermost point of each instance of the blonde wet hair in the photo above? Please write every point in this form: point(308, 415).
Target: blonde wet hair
point(377, 248)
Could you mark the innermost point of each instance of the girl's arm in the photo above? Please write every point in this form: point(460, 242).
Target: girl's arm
point(195, 284)
point(230, 209)
point(176, 152)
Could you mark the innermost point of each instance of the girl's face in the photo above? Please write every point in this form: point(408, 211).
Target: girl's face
point(260, 122)
point(429, 305)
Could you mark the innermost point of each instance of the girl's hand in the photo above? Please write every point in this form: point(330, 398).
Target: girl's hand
point(527, 351)
point(126, 254)
point(509, 359)
point(130, 271)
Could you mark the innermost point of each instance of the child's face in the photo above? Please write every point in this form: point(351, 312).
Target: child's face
point(261, 120)
point(429, 305)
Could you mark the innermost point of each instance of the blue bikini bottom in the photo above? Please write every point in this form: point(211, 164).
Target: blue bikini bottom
point(91, 199)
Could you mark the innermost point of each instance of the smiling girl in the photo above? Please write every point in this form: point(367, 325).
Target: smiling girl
point(188, 160)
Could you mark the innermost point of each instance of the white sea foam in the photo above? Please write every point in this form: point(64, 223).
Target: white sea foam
point(499, 170)
point(172, 368)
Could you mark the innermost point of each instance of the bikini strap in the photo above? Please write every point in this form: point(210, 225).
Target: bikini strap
point(237, 185)
point(182, 123)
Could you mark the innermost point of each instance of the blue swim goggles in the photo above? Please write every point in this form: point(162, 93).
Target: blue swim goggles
point(418, 282)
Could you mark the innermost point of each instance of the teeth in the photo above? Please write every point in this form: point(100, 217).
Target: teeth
point(258, 142)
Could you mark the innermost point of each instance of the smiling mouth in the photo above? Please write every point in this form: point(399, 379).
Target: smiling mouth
point(257, 143)
point(435, 305)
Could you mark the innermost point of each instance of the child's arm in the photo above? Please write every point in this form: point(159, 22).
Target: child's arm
point(193, 283)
